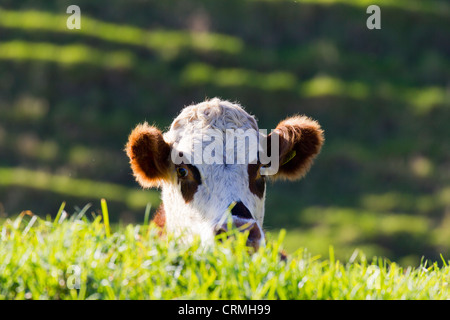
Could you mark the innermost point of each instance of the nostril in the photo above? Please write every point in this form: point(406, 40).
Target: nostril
point(240, 210)
point(254, 233)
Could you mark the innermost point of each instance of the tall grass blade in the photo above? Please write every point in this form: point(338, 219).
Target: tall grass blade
point(147, 213)
point(105, 217)
point(30, 224)
point(83, 211)
point(58, 215)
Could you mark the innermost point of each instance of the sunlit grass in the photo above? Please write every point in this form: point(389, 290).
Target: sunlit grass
point(323, 85)
point(199, 73)
point(65, 54)
point(425, 99)
point(38, 258)
point(73, 187)
point(420, 99)
point(167, 42)
point(389, 201)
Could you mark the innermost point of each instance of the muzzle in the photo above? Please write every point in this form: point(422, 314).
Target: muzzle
point(243, 220)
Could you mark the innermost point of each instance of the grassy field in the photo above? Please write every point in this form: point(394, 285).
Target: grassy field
point(80, 257)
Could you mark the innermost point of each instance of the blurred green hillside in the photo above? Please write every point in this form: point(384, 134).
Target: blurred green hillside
point(69, 98)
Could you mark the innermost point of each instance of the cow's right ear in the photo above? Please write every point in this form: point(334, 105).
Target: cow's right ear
point(149, 155)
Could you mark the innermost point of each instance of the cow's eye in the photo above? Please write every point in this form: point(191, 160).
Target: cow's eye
point(182, 172)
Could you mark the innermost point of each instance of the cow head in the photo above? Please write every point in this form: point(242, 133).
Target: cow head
point(208, 177)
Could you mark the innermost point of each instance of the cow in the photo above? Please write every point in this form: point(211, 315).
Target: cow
point(204, 198)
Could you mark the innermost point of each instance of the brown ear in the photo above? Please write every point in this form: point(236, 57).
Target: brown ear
point(149, 155)
point(301, 139)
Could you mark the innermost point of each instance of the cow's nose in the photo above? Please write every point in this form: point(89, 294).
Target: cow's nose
point(243, 221)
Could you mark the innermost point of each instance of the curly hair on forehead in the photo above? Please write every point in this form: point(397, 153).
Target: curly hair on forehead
point(214, 114)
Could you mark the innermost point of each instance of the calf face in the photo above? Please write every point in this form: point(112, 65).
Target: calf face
point(205, 181)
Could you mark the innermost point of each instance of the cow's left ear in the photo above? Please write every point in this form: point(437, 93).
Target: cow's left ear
point(300, 140)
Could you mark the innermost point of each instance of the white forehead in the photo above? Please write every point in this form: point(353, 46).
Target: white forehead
point(213, 114)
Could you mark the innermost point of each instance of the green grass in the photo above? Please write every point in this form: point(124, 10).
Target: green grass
point(421, 99)
point(166, 42)
point(67, 186)
point(65, 55)
point(75, 258)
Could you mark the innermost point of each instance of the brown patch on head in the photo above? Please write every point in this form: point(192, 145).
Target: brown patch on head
point(189, 179)
point(301, 139)
point(256, 182)
point(149, 155)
